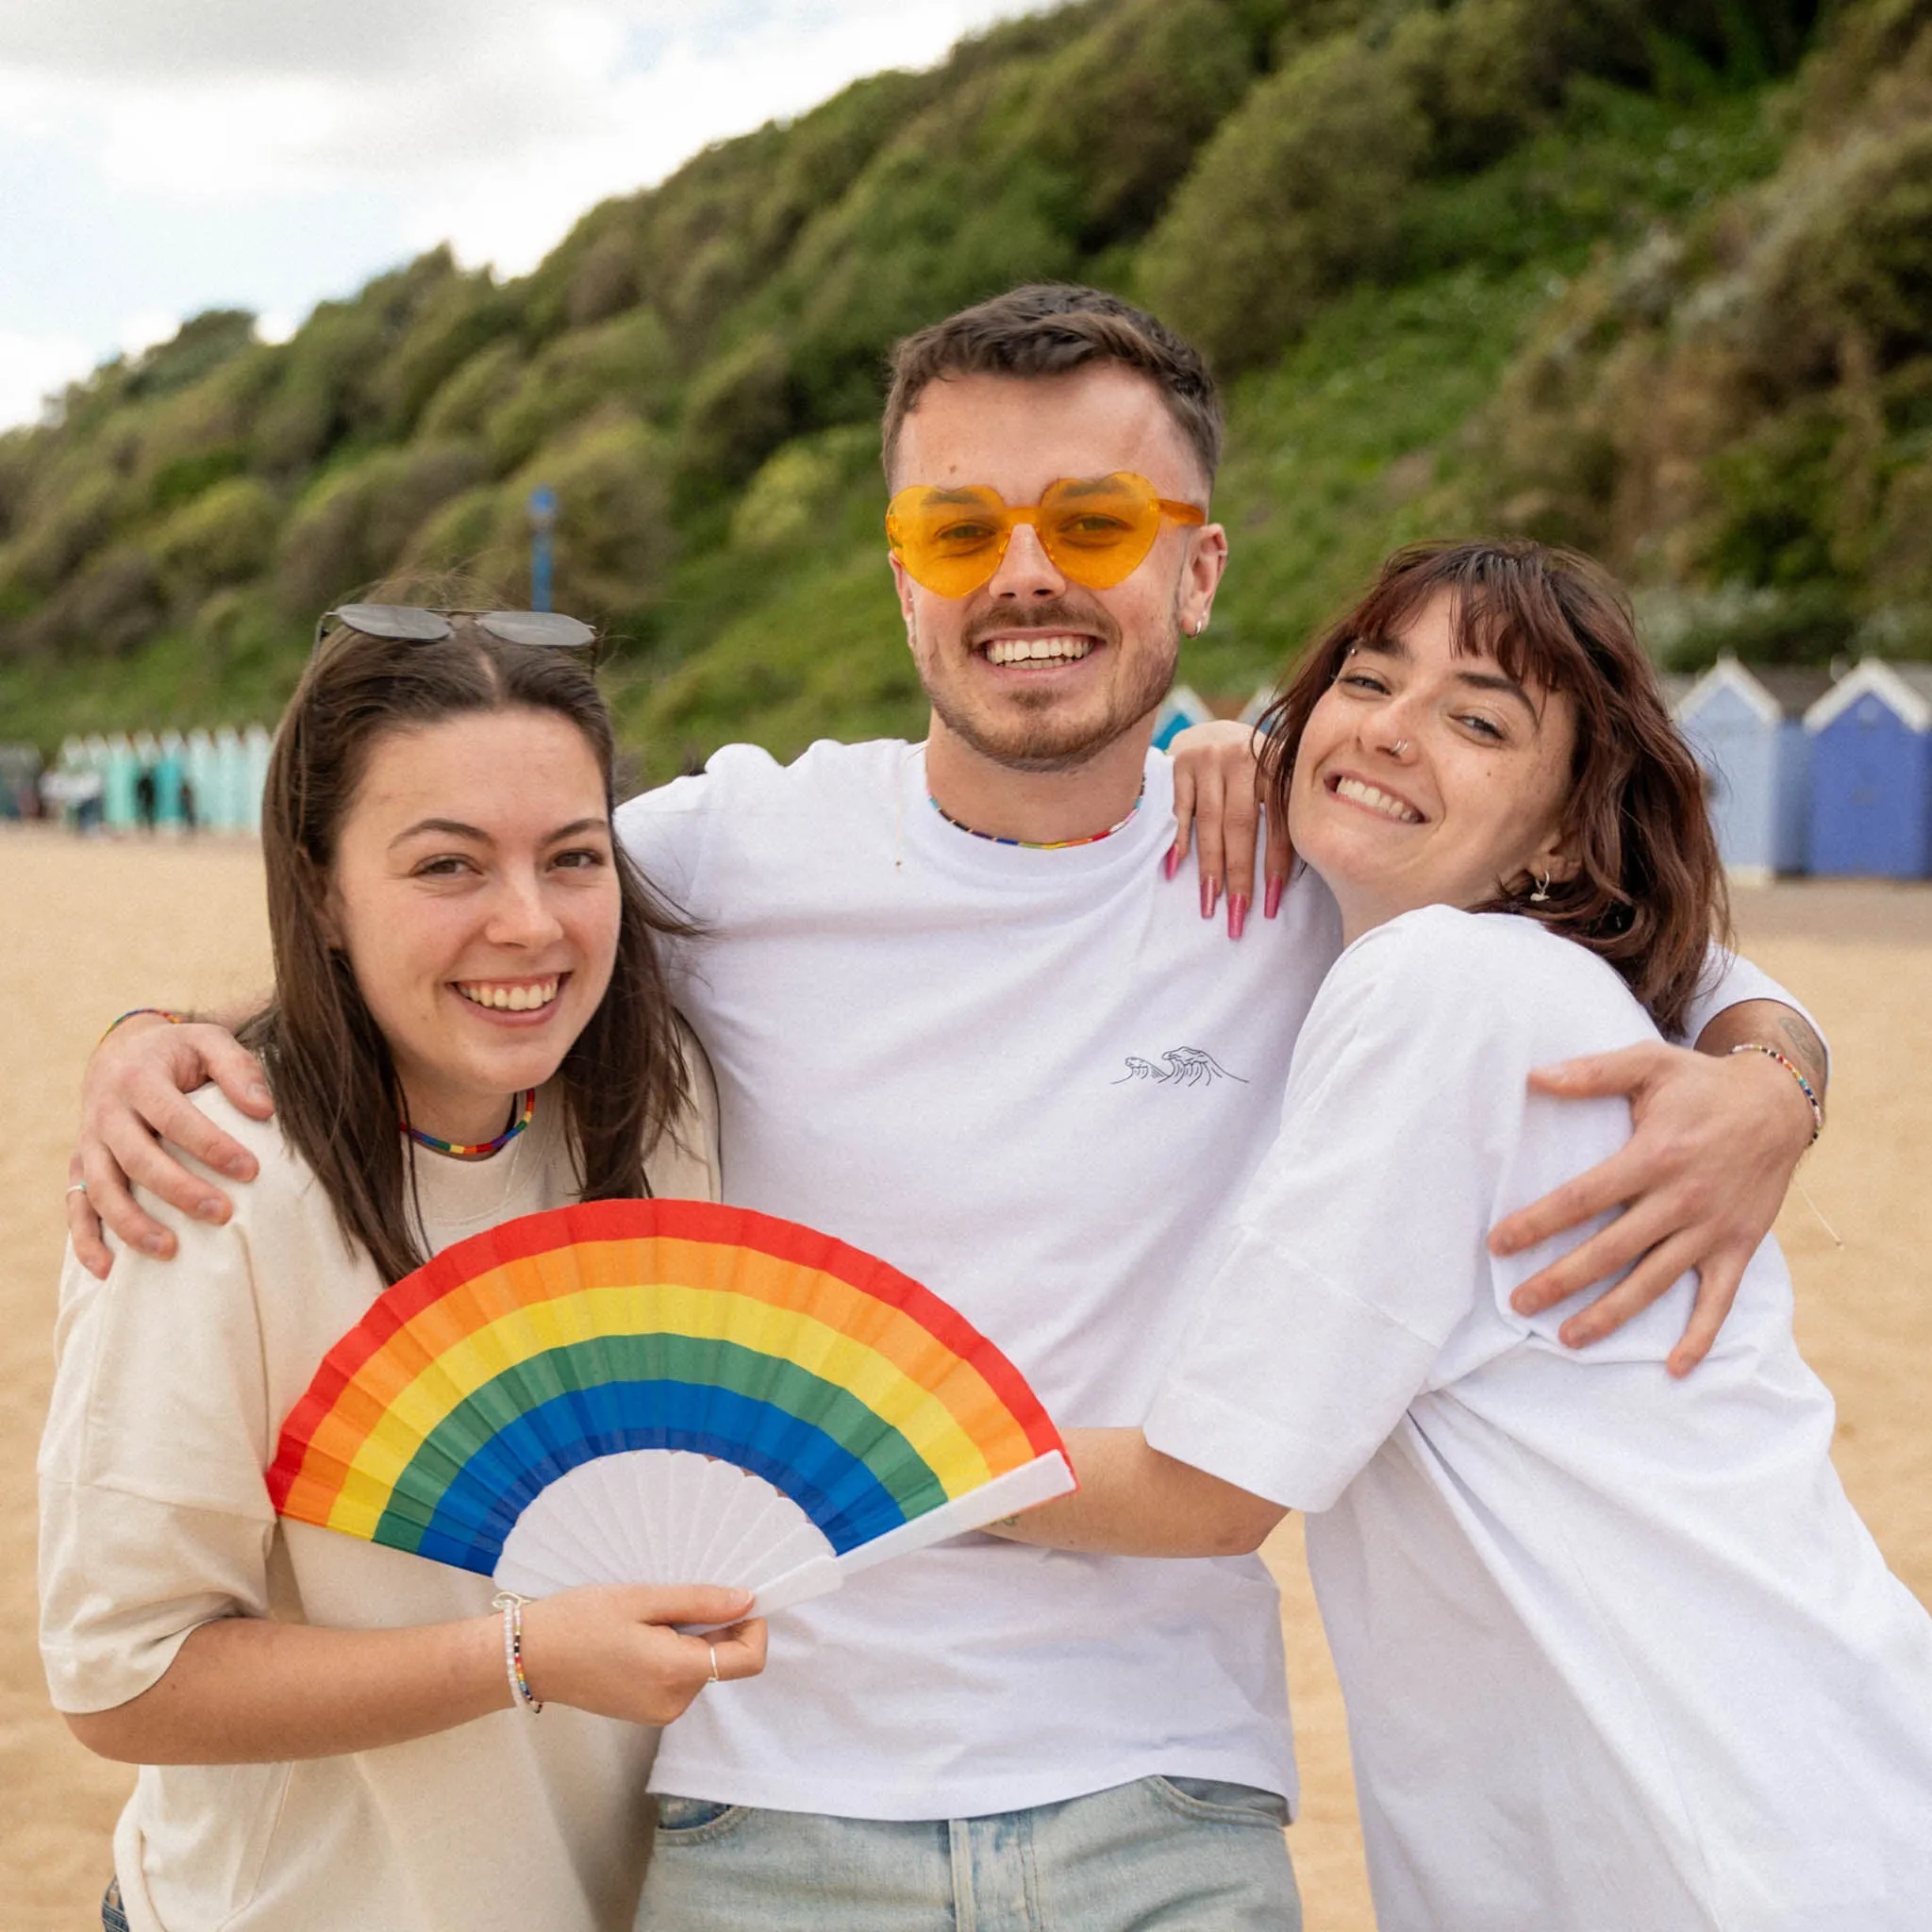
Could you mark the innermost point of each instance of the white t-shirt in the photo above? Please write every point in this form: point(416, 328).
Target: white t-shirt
point(1036, 1081)
point(1618, 1655)
point(173, 1380)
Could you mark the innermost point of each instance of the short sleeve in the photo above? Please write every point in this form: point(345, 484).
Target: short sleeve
point(1729, 979)
point(155, 1517)
point(1362, 1237)
point(668, 831)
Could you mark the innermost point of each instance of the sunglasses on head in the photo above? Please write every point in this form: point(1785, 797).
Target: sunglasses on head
point(412, 623)
point(1096, 531)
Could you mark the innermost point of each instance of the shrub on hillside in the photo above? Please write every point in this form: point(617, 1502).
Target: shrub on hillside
point(470, 394)
point(223, 536)
point(1298, 193)
point(611, 477)
point(352, 527)
point(458, 319)
point(1121, 112)
point(105, 609)
point(627, 360)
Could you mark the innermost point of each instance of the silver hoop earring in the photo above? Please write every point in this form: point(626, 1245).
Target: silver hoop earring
point(1541, 893)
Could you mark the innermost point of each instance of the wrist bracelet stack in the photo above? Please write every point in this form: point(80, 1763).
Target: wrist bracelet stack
point(512, 1607)
point(1797, 1073)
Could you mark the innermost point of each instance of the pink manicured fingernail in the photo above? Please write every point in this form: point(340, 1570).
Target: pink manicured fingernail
point(1171, 862)
point(1271, 900)
point(1210, 897)
point(1236, 914)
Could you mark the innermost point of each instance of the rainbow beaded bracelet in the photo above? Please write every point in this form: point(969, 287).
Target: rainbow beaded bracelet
point(135, 1013)
point(1797, 1073)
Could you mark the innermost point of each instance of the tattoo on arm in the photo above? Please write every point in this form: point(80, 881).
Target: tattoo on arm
point(1805, 1046)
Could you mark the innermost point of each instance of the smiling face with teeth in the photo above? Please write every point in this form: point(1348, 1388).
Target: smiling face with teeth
point(1032, 677)
point(1426, 775)
point(474, 892)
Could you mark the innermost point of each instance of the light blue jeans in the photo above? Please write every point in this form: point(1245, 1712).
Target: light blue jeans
point(1162, 1855)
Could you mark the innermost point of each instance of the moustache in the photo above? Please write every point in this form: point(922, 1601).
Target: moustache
point(1062, 614)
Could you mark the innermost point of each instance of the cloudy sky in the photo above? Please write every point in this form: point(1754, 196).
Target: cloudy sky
point(162, 157)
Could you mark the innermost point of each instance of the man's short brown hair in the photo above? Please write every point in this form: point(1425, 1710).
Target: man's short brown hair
point(1052, 329)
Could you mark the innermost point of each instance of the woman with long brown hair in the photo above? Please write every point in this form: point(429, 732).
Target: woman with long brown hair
point(469, 1022)
point(1619, 1656)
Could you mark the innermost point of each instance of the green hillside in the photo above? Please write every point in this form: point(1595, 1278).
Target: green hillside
point(1654, 278)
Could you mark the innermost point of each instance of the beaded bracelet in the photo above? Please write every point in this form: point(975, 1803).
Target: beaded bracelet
point(135, 1013)
point(512, 1607)
point(1797, 1073)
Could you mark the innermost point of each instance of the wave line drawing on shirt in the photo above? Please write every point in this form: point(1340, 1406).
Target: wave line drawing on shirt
point(1181, 1066)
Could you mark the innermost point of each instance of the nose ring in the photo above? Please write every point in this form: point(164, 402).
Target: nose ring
point(1400, 746)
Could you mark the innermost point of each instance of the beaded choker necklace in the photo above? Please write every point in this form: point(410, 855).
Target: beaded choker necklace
point(483, 1150)
point(1039, 845)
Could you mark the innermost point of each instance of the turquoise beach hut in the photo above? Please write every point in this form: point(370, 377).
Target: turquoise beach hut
point(1871, 773)
point(1746, 724)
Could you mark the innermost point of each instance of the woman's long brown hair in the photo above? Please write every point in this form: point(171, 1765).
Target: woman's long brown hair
point(336, 1098)
point(1648, 894)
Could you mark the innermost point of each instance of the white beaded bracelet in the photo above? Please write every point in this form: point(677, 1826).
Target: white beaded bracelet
point(512, 1607)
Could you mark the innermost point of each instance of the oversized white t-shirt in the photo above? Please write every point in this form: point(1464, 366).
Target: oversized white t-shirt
point(1036, 1081)
point(173, 1380)
point(1618, 1655)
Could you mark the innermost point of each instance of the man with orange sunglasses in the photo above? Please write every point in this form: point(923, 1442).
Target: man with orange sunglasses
point(956, 1019)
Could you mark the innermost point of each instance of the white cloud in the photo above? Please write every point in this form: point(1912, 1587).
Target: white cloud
point(493, 127)
point(32, 368)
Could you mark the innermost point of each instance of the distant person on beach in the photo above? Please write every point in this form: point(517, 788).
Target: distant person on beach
point(959, 1018)
point(335, 1735)
point(1617, 1654)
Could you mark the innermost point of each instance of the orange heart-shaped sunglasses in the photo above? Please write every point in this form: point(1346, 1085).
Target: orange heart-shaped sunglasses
point(1096, 530)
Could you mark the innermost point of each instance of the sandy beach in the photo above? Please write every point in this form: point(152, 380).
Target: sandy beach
point(94, 929)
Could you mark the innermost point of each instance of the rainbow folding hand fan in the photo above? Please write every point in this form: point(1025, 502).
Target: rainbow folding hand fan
point(663, 1391)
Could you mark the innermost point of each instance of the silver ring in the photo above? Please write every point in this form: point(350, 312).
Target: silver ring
point(713, 1649)
point(1400, 746)
point(78, 1188)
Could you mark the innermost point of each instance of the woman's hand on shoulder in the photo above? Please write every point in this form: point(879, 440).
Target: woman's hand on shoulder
point(609, 1648)
point(1217, 808)
point(133, 1097)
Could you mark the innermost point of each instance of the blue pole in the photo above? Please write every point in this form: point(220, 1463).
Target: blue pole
point(542, 522)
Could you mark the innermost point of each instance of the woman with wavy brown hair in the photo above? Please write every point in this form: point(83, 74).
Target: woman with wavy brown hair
point(1619, 1656)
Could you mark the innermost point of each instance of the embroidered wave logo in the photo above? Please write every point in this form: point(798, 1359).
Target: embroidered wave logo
point(1184, 1066)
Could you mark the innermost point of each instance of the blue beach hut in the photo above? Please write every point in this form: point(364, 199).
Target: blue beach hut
point(1871, 773)
point(1183, 706)
point(1747, 728)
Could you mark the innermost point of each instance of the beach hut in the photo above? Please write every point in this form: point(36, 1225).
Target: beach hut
point(1746, 724)
point(228, 794)
point(1182, 707)
point(1871, 773)
point(256, 746)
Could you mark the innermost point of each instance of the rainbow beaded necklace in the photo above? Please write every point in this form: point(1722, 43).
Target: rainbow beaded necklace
point(484, 1149)
point(1039, 845)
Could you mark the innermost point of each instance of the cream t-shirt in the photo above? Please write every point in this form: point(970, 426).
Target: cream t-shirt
point(173, 1380)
